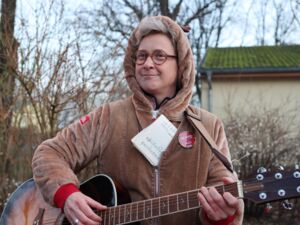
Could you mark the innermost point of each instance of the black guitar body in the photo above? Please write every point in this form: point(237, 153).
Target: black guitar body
point(27, 206)
point(104, 190)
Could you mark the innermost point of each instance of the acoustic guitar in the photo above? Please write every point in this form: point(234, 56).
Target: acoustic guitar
point(26, 204)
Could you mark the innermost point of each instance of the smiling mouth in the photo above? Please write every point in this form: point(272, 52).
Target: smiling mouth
point(149, 75)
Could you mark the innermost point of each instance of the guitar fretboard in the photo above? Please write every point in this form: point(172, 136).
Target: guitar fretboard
point(157, 207)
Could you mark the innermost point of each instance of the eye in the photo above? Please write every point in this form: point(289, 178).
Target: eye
point(159, 55)
point(141, 55)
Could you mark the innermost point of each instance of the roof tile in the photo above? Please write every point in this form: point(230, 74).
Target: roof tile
point(258, 57)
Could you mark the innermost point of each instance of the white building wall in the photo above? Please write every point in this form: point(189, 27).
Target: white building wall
point(246, 94)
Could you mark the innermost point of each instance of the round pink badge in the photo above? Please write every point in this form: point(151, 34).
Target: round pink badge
point(186, 139)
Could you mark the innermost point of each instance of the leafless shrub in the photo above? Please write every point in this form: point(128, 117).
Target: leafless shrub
point(269, 138)
point(58, 79)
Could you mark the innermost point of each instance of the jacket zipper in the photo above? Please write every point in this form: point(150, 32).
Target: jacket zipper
point(156, 182)
point(156, 221)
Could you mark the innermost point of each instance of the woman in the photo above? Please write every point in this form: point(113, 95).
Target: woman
point(159, 69)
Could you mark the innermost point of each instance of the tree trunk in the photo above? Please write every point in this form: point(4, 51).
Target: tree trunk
point(8, 65)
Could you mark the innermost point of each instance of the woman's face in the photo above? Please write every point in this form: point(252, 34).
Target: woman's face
point(157, 80)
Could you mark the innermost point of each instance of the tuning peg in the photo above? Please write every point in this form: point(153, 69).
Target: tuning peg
point(268, 208)
point(280, 168)
point(296, 174)
point(287, 205)
point(261, 170)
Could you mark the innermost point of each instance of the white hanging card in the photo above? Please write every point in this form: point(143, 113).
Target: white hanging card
point(154, 139)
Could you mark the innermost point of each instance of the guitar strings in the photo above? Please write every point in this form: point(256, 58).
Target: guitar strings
point(140, 214)
point(154, 209)
point(106, 214)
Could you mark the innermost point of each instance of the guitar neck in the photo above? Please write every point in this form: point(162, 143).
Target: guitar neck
point(161, 206)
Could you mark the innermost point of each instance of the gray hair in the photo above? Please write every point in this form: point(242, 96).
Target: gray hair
point(150, 25)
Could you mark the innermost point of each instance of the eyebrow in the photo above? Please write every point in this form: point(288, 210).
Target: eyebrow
point(158, 49)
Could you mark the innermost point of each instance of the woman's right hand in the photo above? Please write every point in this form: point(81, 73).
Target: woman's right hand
point(78, 209)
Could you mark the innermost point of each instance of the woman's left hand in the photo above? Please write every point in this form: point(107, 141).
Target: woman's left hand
point(216, 206)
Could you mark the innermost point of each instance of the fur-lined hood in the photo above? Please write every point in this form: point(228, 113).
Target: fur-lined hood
point(174, 108)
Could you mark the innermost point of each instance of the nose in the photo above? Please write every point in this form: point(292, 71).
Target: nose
point(149, 62)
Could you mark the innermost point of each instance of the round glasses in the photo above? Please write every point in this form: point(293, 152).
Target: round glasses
point(158, 57)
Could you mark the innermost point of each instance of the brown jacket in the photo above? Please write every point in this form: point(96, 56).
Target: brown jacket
point(106, 134)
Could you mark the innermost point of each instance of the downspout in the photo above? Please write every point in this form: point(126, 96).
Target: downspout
point(209, 91)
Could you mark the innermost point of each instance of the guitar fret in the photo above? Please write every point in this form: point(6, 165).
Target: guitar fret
point(144, 211)
point(155, 207)
point(177, 202)
point(121, 214)
point(141, 210)
point(164, 205)
point(182, 198)
point(107, 217)
point(130, 212)
point(193, 199)
point(103, 216)
point(220, 189)
point(173, 203)
point(148, 207)
point(111, 215)
point(117, 215)
point(232, 188)
point(127, 213)
point(134, 211)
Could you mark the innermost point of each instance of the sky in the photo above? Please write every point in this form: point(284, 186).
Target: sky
point(233, 35)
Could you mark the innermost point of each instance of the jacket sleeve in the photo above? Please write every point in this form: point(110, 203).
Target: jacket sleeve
point(217, 170)
point(56, 161)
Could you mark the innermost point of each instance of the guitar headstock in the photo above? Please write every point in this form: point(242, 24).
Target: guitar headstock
point(269, 186)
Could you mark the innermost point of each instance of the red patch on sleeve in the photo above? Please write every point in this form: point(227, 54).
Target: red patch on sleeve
point(84, 120)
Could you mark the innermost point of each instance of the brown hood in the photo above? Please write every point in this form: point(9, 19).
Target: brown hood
point(174, 108)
